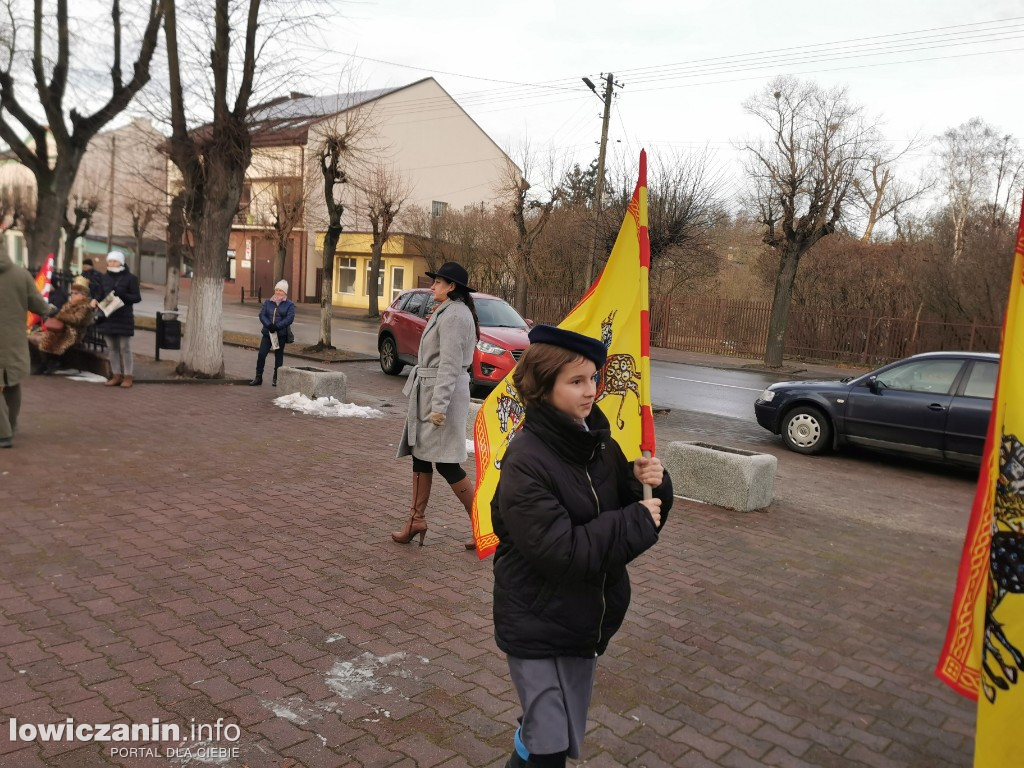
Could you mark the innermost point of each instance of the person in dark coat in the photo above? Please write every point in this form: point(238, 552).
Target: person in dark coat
point(569, 514)
point(119, 327)
point(95, 278)
point(276, 316)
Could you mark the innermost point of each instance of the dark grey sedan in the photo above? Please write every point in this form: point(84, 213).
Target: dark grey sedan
point(935, 405)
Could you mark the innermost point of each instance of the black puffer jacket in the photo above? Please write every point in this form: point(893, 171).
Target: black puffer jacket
point(126, 286)
point(567, 515)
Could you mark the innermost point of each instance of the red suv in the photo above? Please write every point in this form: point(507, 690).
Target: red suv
point(502, 335)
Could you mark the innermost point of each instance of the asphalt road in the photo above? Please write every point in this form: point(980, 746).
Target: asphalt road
point(707, 390)
point(346, 333)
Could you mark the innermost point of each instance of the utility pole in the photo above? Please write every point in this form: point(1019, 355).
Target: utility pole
point(609, 81)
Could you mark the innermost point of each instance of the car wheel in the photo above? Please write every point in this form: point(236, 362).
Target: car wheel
point(806, 430)
point(389, 360)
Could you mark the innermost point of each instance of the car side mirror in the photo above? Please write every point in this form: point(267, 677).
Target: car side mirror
point(529, 322)
point(875, 385)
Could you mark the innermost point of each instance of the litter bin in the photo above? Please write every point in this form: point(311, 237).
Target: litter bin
point(168, 332)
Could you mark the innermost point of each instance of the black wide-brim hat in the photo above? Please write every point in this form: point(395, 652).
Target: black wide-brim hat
point(453, 272)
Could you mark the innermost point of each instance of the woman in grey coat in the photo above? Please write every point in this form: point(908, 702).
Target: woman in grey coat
point(438, 391)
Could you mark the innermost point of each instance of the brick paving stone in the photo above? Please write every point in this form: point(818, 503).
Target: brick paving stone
point(214, 573)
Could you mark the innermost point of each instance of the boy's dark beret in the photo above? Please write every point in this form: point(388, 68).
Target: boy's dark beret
point(588, 347)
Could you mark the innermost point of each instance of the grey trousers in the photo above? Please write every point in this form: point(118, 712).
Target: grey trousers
point(10, 404)
point(120, 354)
point(555, 695)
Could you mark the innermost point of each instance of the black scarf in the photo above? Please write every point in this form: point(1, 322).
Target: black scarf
point(569, 439)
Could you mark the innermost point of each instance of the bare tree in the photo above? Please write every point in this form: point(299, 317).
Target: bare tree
point(31, 139)
point(212, 162)
point(142, 214)
point(17, 206)
point(530, 214)
point(383, 193)
point(1008, 171)
point(338, 146)
point(801, 178)
point(966, 153)
point(881, 194)
point(176, 233)
point(83, 208)
point(281, 214)
point(684, 204)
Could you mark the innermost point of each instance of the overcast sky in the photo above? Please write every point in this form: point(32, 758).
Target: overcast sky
point(687, 67)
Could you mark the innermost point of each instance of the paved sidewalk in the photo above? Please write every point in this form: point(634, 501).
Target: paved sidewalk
point(181, 552)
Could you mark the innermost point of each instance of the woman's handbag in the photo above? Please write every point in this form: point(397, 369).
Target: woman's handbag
point(53, 324)
point(289, 337)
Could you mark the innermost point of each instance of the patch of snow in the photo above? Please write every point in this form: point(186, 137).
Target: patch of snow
point(325, 406)
point(71, 375)
point(297, 710)
point(356, 678)
point(334, 638)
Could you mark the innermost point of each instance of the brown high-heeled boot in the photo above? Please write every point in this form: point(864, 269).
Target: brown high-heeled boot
point(464, 490)
point(421, 482)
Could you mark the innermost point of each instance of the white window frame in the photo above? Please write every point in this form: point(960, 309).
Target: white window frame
point(380, 279)
point(344, 264)
point(396, 291)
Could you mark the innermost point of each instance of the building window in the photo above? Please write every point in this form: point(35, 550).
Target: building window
point(346, 276)
point(397, 281)
point(231, 271)
point(380, 280)
point(438, 208)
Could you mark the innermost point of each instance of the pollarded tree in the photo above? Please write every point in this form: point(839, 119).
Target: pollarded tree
point(212, 160)
point(65, 129)
point(801, 177)
point(338, 146)
point(383, 193)
point(530, 213)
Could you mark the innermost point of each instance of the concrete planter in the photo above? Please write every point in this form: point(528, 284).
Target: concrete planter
point(720, 475)
point(312, 382)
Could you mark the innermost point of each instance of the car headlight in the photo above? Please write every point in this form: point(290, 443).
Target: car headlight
point(490, 349)
point(767, 396)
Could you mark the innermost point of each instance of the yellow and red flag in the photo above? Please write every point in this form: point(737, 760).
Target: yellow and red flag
point(983, 657)
point(44, 282)
point(615, 310)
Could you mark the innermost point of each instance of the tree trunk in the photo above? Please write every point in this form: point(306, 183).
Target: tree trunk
point(175, 236)
point(778, 323)
point(522, 295)
point(136, 267)
point(279, 257)
point(203, 349)
point(327, 286)
point(43, 236)
point(374, 278)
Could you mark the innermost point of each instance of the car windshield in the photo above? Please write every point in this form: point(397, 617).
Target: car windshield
point(495, 313)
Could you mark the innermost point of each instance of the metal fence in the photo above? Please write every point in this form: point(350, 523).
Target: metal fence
point(740, 329)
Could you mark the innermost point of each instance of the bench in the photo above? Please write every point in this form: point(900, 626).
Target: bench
point(87, 355)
